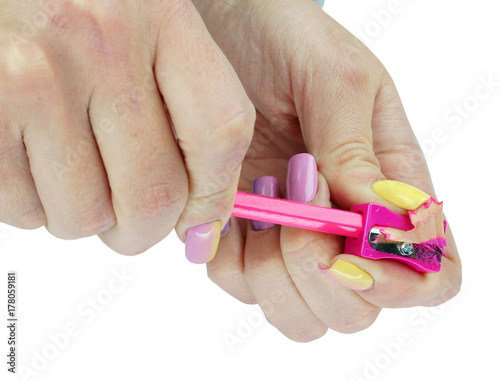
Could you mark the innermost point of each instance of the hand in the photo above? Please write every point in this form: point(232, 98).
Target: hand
point(319, 90)
point(86, 146)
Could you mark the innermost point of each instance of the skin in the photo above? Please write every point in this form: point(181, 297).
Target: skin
point(317, 89)
point(86, 145)
point(87, 148)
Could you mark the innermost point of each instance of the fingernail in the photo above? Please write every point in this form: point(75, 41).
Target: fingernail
point(265, 186)
point(400, 194)
point(226, 228)
point(348, 275)
point(302, 178)
point(202, 242)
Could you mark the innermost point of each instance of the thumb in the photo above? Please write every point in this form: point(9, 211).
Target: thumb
point(345, 156)
point(336, 120)
point(350, 171)
point(362, 139)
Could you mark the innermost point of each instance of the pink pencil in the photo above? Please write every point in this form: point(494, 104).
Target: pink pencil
point(298, 215)
point(361, 226)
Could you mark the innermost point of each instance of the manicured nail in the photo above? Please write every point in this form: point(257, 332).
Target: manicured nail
point(265, 186)
point(302, 178)
point(202, 242)
point(400, 194)
point(226, 228)
point(348, 275)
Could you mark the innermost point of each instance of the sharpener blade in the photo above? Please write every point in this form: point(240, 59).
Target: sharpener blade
point(378, 241)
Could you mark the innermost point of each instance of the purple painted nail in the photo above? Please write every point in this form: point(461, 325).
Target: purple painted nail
point(265, 186)
point(226, 228)
point(202, 242)
point(302, 178)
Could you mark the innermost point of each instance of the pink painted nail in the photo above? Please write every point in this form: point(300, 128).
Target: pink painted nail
point(302, 178)
point(265, 186)
point(202, 242)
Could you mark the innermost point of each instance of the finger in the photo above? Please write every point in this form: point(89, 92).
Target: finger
point(337, 307)
point(227, 268)
point(269, 280)
point(144, 166)
point(63, 158)
point(387, 283)
point(20, 205)
point(68, 174)
point(213, 121)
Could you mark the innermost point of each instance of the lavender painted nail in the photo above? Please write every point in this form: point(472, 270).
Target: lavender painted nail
point(226, 228)
point(302, 178)
point(202, 242)
point(265, 186)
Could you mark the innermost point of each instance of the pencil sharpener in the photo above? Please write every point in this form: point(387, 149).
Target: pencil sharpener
point(372, 243)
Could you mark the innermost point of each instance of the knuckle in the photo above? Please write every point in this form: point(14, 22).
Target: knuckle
point(215, 159)
point(353, 74)
point(33, 218)
point(363, 320)
point(20, 205)
point(129, 103)
point(305, 333)
point(297, 244)
point(354, 67)
point(94, 218)
point(102, 28)
point(449, 291)
point(129, 250)
point(214, 195)
point(157, 201)
point(261, 268)
point(407, 162)
point(228, 274)
point(223, 275)
point(240, 127)
point(455, 289)
point(28, 73)
point(225, 135)
point(351, 151)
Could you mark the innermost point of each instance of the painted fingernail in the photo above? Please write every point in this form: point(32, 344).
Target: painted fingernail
point(348, 275)
point(302, 178)
point(400, 194)
point(265, 186)
point(226, 228)
point(202, 242)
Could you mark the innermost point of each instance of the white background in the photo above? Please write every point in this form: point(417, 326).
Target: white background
point(168, 322)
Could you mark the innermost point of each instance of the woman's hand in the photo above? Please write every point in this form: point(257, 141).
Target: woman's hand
point(319, 90)
point(86, 144)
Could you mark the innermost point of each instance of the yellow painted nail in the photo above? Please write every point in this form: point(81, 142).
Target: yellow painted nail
point(400, 194)
point(348, 275)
